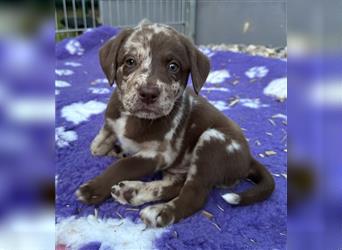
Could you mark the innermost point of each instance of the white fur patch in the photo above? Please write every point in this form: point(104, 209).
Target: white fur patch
point(147, 149)
point(232, 198)
point(192, 172)
point(257, 72)
point(209, 135)
point(79, 112)
point(277, 88)
point(119, 127)
point(63, 138)
point(233, 146)
point(112, 233)
point(218, 76)
point(148, 153)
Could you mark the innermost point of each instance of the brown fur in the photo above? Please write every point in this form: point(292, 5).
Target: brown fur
point(194, 143)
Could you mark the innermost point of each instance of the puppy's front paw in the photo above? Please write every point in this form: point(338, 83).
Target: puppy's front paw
point(92, 192)
point(159, 215)
point(97, 149)
point(102, 143)
point(127, 192)
point(117, 152)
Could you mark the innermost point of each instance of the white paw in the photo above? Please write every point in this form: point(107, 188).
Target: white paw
point(102, 143)
point(159, 215)
point(129, 192)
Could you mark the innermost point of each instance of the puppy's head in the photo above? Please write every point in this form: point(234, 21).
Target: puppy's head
point(151, 64)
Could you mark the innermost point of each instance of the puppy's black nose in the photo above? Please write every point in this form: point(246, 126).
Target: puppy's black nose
point(149, 94)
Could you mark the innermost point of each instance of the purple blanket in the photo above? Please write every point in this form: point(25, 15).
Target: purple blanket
point(250, 90)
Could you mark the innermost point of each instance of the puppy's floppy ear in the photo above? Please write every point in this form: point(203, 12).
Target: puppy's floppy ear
point(108, 55)
point(199, 65)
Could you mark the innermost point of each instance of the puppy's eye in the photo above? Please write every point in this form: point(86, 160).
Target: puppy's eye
point(173, 67)
point(130, 62)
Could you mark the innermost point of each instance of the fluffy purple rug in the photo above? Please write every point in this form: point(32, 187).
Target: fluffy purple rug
point(251, 90)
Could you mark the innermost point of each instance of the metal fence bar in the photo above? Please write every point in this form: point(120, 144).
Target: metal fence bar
point(65, 15)
point(182, 15)
point(141, 10)
point(175, 12)
point(75, 14)
point(132, 3)
point(165, 12)
point(117, 12)
point(56, 21)
point(160, 10)
point(124, 13)
point(110, 13)
point(69, 30)
point(191, 14)
point(93, 13)
point(84, 15)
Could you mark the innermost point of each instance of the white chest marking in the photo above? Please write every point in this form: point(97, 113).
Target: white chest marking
point(146, 149)
point(119, 127)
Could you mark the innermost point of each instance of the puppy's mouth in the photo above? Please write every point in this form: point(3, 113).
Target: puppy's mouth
point(147, 109)
point(148, 112)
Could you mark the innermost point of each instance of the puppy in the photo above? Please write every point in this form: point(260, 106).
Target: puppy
point(163, 126)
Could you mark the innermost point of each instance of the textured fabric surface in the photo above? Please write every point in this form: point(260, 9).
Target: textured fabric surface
point(246, 88)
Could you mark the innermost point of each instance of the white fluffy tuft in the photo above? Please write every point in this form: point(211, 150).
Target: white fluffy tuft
point(115, 233)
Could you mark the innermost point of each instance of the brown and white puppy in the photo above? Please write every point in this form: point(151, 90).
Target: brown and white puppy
point(165, 127)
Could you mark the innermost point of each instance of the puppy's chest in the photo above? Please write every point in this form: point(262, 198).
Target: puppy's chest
point(135, 140)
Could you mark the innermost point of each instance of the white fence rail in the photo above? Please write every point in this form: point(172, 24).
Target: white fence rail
point(76, 16)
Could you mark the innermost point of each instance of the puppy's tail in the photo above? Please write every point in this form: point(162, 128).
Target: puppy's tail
point(263, 188)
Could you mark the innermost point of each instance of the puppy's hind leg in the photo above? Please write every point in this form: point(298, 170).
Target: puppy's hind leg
point(202, 176)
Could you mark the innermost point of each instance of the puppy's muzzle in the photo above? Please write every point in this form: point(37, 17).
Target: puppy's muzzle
point(148, 94)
